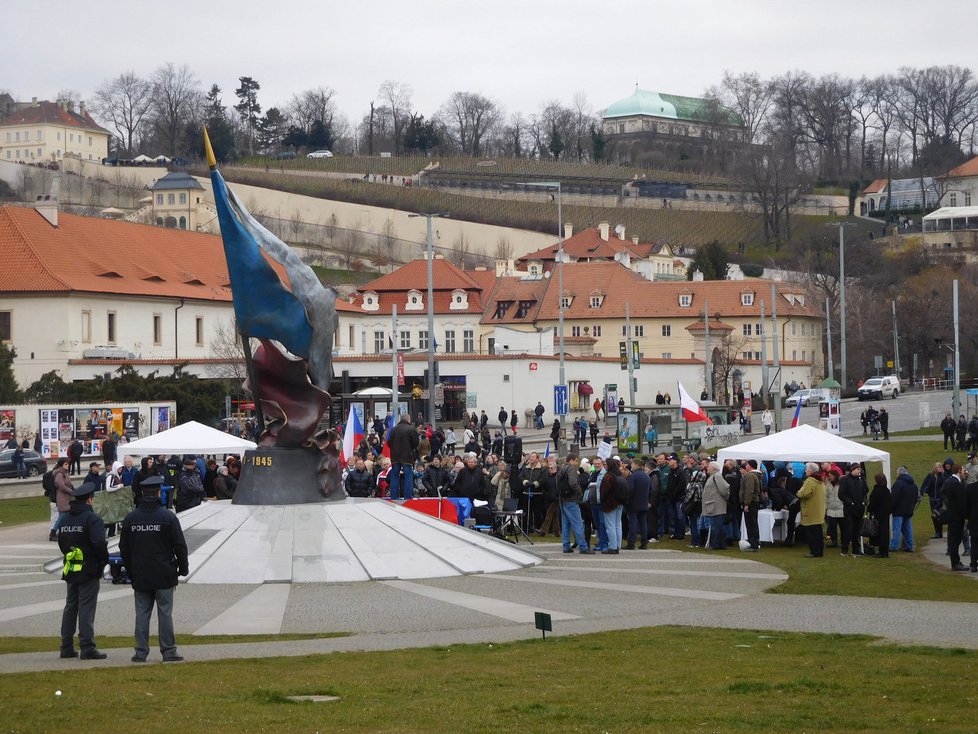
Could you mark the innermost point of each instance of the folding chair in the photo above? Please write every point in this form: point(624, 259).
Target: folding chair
point(508, 523)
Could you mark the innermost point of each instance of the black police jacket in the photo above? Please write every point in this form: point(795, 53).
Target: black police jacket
point(83, 529)
point(153, 547)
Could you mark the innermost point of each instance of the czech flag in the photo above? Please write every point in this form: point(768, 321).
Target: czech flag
point(352, 436)
point(386, 448)
point(797, 418)
point(692, 411)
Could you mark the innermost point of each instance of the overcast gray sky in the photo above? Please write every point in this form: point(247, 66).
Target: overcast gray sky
point(521, 53)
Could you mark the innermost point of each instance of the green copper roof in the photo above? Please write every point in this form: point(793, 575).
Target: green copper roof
point(668, 106)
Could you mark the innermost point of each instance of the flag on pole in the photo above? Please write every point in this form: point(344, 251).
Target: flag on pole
point(692, 411)
point(797, 418)
point(546, 455)
point(386, 448)
point(352, 436)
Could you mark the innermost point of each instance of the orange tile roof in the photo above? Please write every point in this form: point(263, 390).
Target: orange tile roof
point(587, 244)
point(87, 254)
point(714, 326)
point(968, 168)
point(875, 187)
point(445, 276)
point(51, 113)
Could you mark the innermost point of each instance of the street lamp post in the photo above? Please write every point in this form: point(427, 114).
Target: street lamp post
point(842, 299)
point(431, 319)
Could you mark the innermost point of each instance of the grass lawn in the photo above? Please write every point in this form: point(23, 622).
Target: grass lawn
point(41, 644)
point(24, 509)
point(654, 679)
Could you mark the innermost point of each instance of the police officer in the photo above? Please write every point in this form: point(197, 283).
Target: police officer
point(155, 553)
point(81, 538)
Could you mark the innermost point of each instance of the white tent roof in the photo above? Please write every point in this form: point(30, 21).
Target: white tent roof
point(188, 438)
point(805, 443)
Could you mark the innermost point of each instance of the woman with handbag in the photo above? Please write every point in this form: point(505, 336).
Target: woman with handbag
point(880, 505)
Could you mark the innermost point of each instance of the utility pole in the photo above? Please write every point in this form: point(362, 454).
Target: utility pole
point(765, 375)
point(828, 337)
point(896, 343)
point(957, 353)
point(842, 303)
point(774, 354)
point(394, 386)
point(431, 319)
point(631, 363)
point(707, 350)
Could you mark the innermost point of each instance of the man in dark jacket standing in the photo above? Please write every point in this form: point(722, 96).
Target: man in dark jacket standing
point(404, 443)
point(570, 496)
point(904, 498)
point(853, 493)
point(971, 508)
point(155, 553)
point(359, 482)
point(956, 505)
point(435, 479)
point(75, 451)
point(190, 486)
point(637, 508)
point(947, 428)
point(81, 538)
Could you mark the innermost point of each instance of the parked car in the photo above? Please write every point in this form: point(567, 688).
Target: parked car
point(35, 463)
point(805, 397)
point(285, 155)
point(320, 154)
point(877, 388)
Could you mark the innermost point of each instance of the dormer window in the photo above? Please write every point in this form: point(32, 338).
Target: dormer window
point(460, 300)
point(565, 301)
point(523, 309)
point(534, 268)
point(415, 302)
point(747, 298)
point(371, 302)
point(596, 299)
point(685, 300)
point(501, 308)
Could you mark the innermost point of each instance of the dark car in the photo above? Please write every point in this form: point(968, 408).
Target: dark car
point(35, 463)
point(285, 155)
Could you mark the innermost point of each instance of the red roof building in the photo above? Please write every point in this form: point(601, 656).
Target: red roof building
point(45, 132)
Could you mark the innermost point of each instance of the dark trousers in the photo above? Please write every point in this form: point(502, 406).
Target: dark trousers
point(974, 554)
point(948, 437)
point(80, 605)
point(851, 527)
point(163, 599)
point(74, 465)
point(815, 537)
point(652, 523)
point(834, 525)
point(586, 519)
point(638, 524)
point(955, 532)
point(750, 520)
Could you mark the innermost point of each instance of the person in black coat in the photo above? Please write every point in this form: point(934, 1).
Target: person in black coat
point(75, 451)
point(956, 512)
point(513, 420)
point(471, 481)
point(880, 507)
point(404, 442)
point(971, 510)
point(637, 507)
point(435, 479)
point(81, 538)
point(359, 482)
point(853, 492)
point(555, 434)
point(154, 552)
point(947, 428)
point(904, 494)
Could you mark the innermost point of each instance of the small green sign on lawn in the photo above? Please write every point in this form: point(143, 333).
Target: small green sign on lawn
point(543, 623)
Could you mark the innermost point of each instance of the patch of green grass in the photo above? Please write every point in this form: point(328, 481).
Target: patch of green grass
point(23, 510)
point(40, 644)
point(664, 679)
point(338, 276)
point(918, 432)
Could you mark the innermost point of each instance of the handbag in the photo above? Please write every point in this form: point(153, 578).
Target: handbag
point(870, 527)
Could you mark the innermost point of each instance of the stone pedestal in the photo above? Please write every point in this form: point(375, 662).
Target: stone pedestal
point(277, 476)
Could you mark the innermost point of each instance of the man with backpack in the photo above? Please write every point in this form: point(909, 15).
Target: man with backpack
point(51, 492)
point(570, 496)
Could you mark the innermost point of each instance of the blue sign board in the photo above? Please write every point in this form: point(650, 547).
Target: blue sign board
point(560, 399)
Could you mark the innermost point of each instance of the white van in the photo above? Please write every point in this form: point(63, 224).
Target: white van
point(877, 388)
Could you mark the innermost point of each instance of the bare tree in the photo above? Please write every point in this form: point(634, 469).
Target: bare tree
point(351, 245)
point(225, 345)
point(124, 102)
point(461, 247)
point(397, 95)
point(727, 354)
point(746, 95)
point(176, 92)
point(22, 183)
point(295, 224)
point(468, 117)
point(388, 239)
point(332, 224)
point(504, 248)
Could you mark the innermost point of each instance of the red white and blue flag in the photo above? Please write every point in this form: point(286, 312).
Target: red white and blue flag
point(795, 422)
point(386, 448)
point(352, 436)
point(692, 411)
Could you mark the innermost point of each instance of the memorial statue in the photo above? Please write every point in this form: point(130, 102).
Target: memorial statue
point(290, 371)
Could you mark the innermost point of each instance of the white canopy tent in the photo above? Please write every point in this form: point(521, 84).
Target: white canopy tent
point(805, 443)
point(188, 438)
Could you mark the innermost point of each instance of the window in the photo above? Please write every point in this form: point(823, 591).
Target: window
point(967, 199)
point(89, 141)
point(450, 341)
point(159, 199)
point(595, 301)
point(8, 137)
point(639, 330)
point(468, 340)
point(794, 355)
point(199, 330)
point(575, 331)
point(596, 330)
point(5, 332)
point(804, 355)
point(59, 135)
point(565, 301)
point(746, 299)
point(171, 199)
point(422, 339)
point(666, 330)
point(405, 342)
point(794, 328)
point(523, 309)
point(353, 336)
point(183, 198)
point(952, 200)
point(157, 329)
point(110, 327)
point(759, 329)
point(667, 355)
point(501, 308)
point(86, 327)
point(380, 342)
point(17, 137)
point(748, 329)
point(685, 300)
point(183, 222)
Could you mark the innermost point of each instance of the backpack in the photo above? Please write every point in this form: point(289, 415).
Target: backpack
point(693, 499)
point(50, 489)
point(623, 493)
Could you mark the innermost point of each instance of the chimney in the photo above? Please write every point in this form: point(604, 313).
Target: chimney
point(568, 230)
point(620, 231)
point(634, 239)
point(47, 206)
point(81, 109)
point(697, 276)
point(603, 230)
point(34, 101)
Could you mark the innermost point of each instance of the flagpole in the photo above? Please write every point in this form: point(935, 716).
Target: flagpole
point(393, 415)
point(253, 383)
